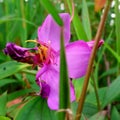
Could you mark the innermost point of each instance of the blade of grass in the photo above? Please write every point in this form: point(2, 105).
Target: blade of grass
point(117, 30)
point(12, 18)
point(112, 52)
point(24, 25)
point(64, 95)
point(52, 10)
point(86, 20)
point(77, 23)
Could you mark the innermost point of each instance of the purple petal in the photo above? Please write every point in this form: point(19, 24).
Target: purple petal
point(91, 43)
point(45, 89)
point(18, 53)
point(51, 77)
point(50, 31)
point(77, 54)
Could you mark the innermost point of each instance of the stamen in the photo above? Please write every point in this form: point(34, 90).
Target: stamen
point(35, 41)
point(41, 57)
point(48, 52)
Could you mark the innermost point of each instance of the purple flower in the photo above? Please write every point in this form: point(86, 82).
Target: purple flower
point(18, 53)
point(47, 57)
point(77, 54)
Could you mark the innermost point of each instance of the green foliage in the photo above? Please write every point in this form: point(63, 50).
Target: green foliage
point(4, 118)
point(112, 92)
point(10, 68)
point(35, 109)
point(99, 116)
point(19, 20)
point(86, 20)
point(115, 114)
point(51, 9)
point(77, 23)
point(3, 102)
point(64, 81)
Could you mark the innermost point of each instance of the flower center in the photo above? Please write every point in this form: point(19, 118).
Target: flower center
point(43, 53)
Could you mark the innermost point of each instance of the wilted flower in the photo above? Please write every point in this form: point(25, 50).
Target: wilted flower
point(47, 57)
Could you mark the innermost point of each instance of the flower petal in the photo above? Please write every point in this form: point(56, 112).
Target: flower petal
point(50, 31)
point(91, 43)
point(45, 89)
point(51, 76)
point(77, 54)
point(19, 53)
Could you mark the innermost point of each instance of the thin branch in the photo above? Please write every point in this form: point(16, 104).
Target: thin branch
point(92, 57)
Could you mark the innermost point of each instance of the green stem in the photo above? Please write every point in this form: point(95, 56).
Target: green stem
point(96, 94)
point(92, 57)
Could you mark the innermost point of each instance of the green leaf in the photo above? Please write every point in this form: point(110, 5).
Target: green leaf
point(89, 109)
point(52, 10)
point(112, 52)
point(4, 82)
point(64, 100)
point(3, 102)
point(78, 87)
point(117, 26)
point(10, 68)
point(22, 24)
point(115, 114)
point(108, 72)
point(112, 92)
point(36, 109)
point(19, 93)
point(99, 116)
point(4, 118)
point(117, 30)
point(91, 98)
point(86, 20)
point(77, 23)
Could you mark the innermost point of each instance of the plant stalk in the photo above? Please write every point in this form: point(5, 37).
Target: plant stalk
point(91, 60)
point(96, 93)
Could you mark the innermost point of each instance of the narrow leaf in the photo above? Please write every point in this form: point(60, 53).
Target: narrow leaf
point(3, 102)
point(112, 52)
point(22, 24)
point(64, 99)
point(117, 29)
point(115, 114)
point(4, 82)
point(19, 93)
point(112, 92)
point(86, 20)
point(52, 10)
point(77, 23)
point(10, 68)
